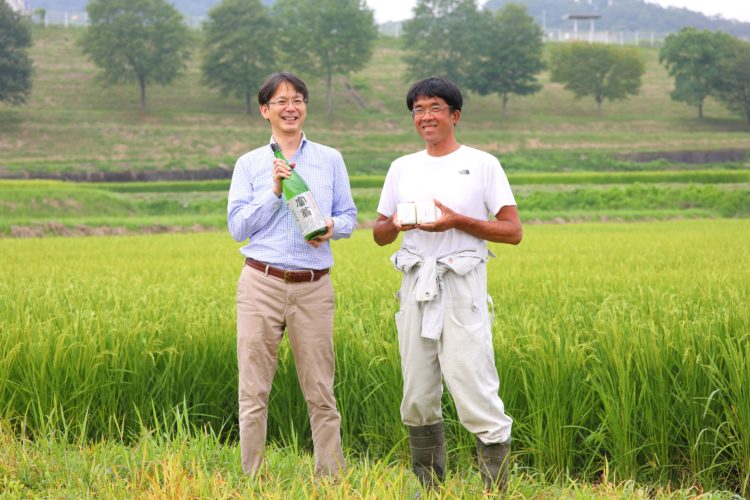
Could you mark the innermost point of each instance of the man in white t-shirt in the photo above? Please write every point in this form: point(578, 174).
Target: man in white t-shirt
point(443, 323)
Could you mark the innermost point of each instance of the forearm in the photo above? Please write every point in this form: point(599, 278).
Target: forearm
point(385, 231)
point(497, 231)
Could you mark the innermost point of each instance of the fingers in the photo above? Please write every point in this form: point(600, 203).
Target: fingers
point(281, 170)
point(401, 227)
point(316, 242)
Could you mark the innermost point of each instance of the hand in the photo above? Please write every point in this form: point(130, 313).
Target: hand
point(445, 222)
point(280, 171)
point(316, 242)
point(398, 226)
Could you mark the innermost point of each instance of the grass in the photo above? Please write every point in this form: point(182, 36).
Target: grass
point(622, 349)
point(72, 123)
point(31, 208)
point(201, 465)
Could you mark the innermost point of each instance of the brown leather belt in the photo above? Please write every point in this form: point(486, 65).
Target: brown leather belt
point(284, 275)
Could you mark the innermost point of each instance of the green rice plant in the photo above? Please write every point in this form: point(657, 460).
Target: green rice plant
point(621, 348)
point(200, 464)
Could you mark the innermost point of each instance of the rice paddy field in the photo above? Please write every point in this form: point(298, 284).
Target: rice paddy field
point(623, 352)
point(621, 323)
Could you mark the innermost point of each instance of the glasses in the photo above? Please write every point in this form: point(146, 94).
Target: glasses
point(297, 103)
point(433, 110)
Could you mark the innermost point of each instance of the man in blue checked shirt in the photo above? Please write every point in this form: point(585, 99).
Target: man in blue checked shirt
point(285, 282)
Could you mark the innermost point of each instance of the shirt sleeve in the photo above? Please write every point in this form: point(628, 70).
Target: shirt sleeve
point(247, 209)
point(497, 188)
point(343, 210)
point(388, 201)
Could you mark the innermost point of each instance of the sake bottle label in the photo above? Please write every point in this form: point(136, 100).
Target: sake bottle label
point(307, 213)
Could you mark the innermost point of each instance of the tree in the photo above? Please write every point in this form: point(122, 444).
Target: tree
point(597, 70)
point(733, 85)
point(136, 40)
point(41, 15)
point(691, 57)
point(329, 37)
point(15, 64)
point(510, 55)
point(239, 48)
point(441, 39)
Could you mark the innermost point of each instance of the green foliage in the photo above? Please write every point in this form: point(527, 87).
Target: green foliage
point(692, 57)
point(181, 460)
point(441, 39)
point(733, 87)
point(326, 37)
point(41, 15)
point(15, 63)
point(724, 203)
point(650, 177)
point(36, 208)
point(239, 48)
point(143, 41)
point(600, 71)
point(622, 350)
point(509, 55)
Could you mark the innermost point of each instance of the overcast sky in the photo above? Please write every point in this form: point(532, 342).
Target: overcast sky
point(397, 10)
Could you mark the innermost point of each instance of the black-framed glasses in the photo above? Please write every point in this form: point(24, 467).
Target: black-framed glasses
point(297, 103)
point(432, 110)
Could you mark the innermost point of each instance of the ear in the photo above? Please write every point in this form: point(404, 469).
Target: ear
point(456, 116)
point(263, 108)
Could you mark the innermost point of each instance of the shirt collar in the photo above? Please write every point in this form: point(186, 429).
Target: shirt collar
point(301, 143)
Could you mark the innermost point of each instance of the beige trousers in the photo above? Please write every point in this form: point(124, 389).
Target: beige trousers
point(265, 307)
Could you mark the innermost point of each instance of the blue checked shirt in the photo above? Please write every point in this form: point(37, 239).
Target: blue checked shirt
point(255, 213)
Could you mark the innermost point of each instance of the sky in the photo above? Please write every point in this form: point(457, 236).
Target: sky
point(398, 10)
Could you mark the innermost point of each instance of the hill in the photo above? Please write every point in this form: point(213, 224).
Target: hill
point(565, 160)
point(625, 15)
point(71, 123)
point(621, 15)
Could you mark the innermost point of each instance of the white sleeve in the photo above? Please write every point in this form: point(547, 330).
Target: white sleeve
point(497, 188)
point(388, 196)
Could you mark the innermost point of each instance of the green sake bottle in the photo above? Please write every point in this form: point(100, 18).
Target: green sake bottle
point(301, 202)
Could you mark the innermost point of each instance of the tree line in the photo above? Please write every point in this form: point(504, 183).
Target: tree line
point(502, 51)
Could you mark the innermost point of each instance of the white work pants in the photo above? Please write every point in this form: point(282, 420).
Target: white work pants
point(463, 356)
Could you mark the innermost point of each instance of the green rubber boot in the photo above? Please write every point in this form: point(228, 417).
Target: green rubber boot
point(494, 464)
point(427, 443)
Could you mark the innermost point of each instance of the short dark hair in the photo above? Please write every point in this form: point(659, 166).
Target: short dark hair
point(272, 82)
point(435, 86)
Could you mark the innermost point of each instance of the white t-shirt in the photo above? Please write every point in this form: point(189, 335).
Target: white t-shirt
point(468, 181)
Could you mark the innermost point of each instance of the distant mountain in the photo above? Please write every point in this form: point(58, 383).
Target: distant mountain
point(624, 15)
point(187, 7)
point(617, 15)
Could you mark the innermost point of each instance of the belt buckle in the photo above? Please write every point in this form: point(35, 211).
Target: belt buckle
point(287, 276)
